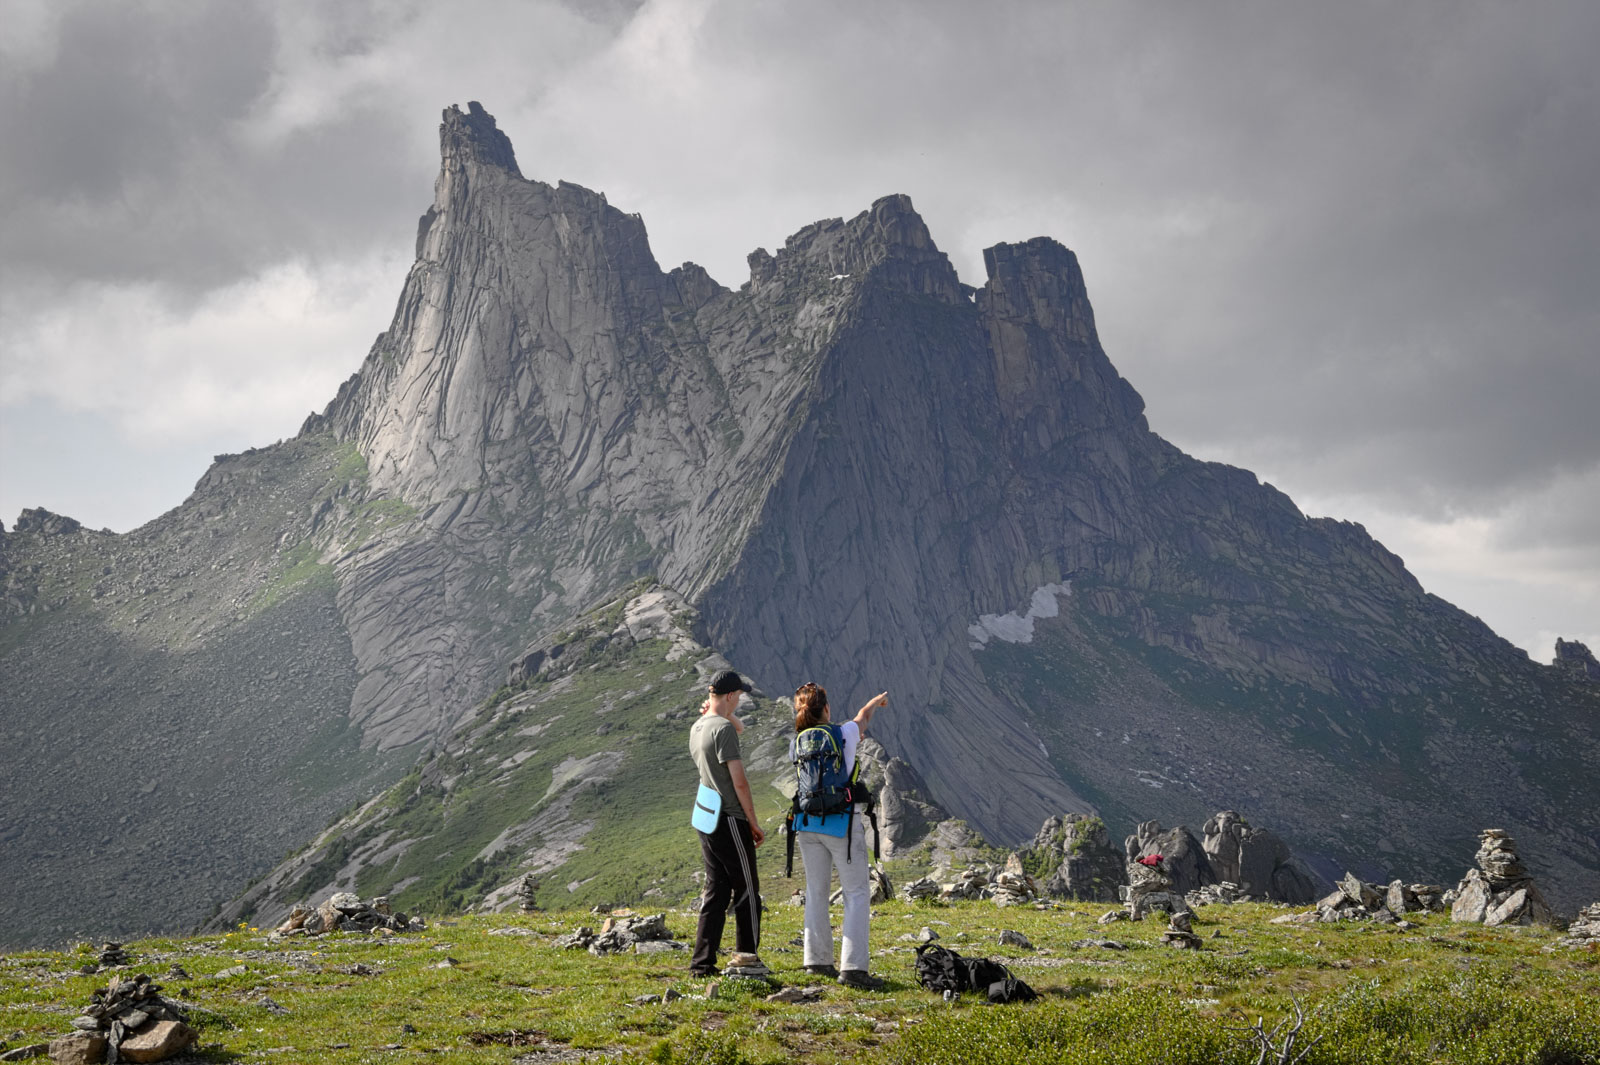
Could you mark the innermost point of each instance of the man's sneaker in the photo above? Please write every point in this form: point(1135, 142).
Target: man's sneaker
point(861, 980)
point(823, 970)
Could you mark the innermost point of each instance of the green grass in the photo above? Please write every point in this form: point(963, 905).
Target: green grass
point(1434, 994)
point(300, 571)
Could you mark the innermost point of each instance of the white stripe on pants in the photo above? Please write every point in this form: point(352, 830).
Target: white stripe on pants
point(821, 855)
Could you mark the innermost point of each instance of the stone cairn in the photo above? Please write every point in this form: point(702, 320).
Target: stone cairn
point(745, 964)
point(112, 955)
point(641, 935)
point(528, 893)
point(1584, 931)
point(345, 912)
point(1499, 891)
point(1223, 894)
point(1180, 931)
point(128, 1020)
point(921, 888)
point(1150, 889)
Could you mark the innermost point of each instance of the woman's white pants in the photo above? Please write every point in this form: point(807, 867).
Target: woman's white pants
point(821, 855)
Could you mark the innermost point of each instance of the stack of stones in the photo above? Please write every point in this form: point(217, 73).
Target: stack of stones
point(973, 883)
point(641, 935)
point(1010, 889)
point(1225, 893)
point(1499, 891)
point(528, 893)
point(1150, 889)
point(921, 888)
point(1584, 931)
point(1012, 886)
point(345, 912)
point(128, 1020)
point(749, 966)
point(112, 955)
point(1180, 932)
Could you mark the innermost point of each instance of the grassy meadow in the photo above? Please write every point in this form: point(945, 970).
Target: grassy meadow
point(486, 988)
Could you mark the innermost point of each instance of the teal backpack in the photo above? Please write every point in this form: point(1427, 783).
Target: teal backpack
point(826, 788)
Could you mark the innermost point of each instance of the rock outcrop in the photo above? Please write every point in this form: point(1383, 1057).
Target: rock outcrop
point(1256, 860)
point(1085, 865)
point(905, 813)
point(1185, 866)
point(1575, 660)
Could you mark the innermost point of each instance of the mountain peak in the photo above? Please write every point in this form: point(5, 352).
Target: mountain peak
point(473, 137)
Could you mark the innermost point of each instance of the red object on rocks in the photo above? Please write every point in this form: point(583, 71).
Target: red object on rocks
point(1149, 859)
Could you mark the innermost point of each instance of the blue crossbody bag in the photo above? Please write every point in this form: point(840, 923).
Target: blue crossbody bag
point(707, 808)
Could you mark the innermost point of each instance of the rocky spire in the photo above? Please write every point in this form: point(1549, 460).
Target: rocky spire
point(473, 137)
point(1576, 660)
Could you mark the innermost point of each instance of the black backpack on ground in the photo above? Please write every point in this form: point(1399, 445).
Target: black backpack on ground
point(942, 969)
point(1011, 990)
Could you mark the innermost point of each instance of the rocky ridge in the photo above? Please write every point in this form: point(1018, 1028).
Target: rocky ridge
point(965, 488)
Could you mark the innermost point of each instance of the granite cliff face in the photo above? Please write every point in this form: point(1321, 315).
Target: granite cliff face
point(855, 469)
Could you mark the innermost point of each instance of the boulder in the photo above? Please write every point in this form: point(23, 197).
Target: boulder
point(79, 1048)
point(346, 902)
point(296, 919)
point(332, 917)
point(1256, 862)
point(1360, 892)
point(158, 1041)
point(1294, 882)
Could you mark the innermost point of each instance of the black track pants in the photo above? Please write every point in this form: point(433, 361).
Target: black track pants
point(730, 857)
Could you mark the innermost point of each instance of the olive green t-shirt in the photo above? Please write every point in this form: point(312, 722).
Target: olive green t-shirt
point(713, 743)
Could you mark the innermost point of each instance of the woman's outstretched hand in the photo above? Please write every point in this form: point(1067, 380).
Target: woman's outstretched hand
point(864, 715)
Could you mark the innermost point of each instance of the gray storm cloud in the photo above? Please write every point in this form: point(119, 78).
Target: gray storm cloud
point(1350, 246)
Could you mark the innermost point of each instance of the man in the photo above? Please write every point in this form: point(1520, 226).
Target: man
point(729, 850)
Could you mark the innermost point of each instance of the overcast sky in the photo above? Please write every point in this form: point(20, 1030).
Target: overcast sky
point(1352, 247)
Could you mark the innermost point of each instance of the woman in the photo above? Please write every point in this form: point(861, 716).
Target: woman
point(821, 853)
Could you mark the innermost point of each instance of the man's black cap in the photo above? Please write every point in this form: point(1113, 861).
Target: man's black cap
point(728, 681)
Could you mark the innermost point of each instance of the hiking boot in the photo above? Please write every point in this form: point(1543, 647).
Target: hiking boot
point(704, 974)
point(861, 980)
point(823, 970)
